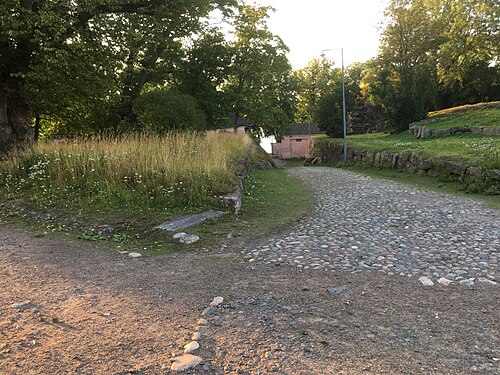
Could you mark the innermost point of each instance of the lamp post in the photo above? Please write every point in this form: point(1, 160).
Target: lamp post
point(343, 99)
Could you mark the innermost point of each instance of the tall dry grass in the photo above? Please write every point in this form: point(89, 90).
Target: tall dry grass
point(175, 170)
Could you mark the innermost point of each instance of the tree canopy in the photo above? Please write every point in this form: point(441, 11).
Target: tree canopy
point(82, 67)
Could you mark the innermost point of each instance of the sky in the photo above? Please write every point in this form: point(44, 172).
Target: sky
point(310, 26)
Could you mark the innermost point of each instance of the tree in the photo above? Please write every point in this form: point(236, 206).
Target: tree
point(135, 36)
point(160, 111)
point(317, 79)
point(405, 77)
point(468, 61)
point(261, 84)
point(205, 67)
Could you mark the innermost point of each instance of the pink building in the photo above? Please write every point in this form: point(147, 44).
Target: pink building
point(298, 144)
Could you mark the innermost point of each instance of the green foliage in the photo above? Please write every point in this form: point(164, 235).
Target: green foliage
point(261, 86)
point(434, 54)
point(273, 198)
point(330, 114)
point(83, 64)
point(161, 111)
point(320, 96)
point(204, 69)
point(316, 80)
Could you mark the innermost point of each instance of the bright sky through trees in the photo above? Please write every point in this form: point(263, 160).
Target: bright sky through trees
point(307, 27)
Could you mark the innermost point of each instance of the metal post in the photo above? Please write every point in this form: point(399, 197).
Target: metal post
point(343, 108)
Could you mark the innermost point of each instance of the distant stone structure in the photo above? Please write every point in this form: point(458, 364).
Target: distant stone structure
point(366, 118)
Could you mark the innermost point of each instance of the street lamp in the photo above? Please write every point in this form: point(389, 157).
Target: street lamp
point(343, 99)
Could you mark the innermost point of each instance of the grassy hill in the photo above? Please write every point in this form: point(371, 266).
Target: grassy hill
point(466, 116)
point(466, 148)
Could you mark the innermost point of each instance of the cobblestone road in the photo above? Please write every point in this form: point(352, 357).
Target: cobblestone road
point(366, 224)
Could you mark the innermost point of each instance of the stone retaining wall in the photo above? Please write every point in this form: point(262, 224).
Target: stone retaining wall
point(423, 131)
point(325, 151)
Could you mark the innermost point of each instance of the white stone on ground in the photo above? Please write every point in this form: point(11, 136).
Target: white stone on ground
point(191, 347)
point(487, 281)
point(185, 362)
point(217, 301)
point(188, 239)
point(444, 281)
point(22, 305)
point(178, 235)
point(135, 255)
point(466, 282)
point(426, 281)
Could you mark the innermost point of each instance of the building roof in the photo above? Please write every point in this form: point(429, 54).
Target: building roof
point(305, 129)
point(240, 121)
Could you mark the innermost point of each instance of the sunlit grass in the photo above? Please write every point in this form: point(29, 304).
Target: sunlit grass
point(172, 172)
point(471, 149)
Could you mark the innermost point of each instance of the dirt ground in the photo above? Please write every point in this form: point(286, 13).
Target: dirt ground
point(93, 311)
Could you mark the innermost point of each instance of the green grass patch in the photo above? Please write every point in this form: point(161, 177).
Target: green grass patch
point(480, 117)
point(425, 182)
point(470, 149)
point(272, 199)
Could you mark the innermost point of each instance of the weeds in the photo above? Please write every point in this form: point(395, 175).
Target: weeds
point(174, 172)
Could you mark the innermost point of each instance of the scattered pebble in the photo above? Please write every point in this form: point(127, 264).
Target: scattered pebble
point(426, 281)
point(217, 301)
point(444, 281)
point(208, 311)
point(135, 255)
point(189, 239)
point(191, 347)
point(336, 291)
point(466, 282)
point(22, 305)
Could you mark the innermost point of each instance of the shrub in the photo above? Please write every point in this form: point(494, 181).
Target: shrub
point(161, 111)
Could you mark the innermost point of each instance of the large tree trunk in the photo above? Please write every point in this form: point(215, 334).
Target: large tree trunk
point(16, 133)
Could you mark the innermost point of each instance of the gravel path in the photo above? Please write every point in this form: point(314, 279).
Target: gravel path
point(66, 307)
point(363, 223)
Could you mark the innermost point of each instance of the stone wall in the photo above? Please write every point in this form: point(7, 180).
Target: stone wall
point(326, 151)
point(423, 131)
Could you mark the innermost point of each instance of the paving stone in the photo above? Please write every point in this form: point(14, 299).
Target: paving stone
point(444, 281)
point(381, 226)
point(426, 281)
point(189, 221)
point(487, 281)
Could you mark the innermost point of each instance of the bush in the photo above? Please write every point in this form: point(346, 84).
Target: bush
point(161, 111)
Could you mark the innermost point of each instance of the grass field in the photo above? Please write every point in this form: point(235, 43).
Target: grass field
point(472, 117)
point(173, 173)
point(471, 149)
point(136, 183)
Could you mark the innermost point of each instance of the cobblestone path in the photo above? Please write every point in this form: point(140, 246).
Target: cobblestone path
point(367, 224)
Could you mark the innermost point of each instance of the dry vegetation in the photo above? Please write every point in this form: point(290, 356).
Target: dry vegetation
point(175, 171)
